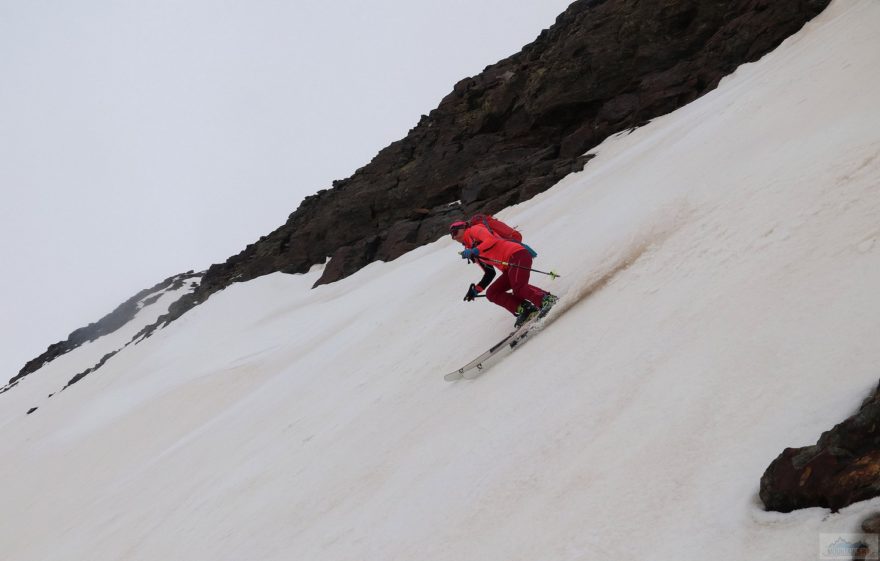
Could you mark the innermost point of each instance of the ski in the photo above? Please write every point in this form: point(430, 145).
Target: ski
point(475, 366)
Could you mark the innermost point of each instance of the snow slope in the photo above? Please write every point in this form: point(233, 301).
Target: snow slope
point(720, 271)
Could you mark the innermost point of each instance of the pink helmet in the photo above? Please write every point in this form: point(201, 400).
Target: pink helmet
point(456, 226)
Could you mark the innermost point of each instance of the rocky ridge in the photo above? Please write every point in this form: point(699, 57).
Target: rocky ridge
point(115, 320)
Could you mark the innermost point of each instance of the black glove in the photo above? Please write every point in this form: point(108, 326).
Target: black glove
point(472, 293)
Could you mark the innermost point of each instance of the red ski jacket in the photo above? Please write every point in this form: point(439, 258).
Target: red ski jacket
point(491, 247)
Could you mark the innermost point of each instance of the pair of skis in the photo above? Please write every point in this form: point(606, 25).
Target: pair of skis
point(475, 367)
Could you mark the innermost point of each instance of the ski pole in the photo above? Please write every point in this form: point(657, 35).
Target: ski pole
point(551, 274)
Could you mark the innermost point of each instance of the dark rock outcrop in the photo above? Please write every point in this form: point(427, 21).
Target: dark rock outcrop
point(517, 128)
point(842, 468)
point(88, 371)
point(871, 524)
point(116, 319)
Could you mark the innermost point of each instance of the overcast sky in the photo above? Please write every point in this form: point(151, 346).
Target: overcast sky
point(140, 139)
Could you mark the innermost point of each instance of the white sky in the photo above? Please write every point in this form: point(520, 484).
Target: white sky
point(143, 139)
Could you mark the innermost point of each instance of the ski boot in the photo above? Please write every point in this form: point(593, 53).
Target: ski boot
point(547, 303)
point(525, 312)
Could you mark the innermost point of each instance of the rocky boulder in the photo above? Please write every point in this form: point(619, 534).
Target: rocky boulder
point(840, 469)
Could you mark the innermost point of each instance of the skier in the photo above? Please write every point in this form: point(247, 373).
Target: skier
point(512, 290)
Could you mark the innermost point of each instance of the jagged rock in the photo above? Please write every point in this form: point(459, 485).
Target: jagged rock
point(842, 468)
point(88, 371)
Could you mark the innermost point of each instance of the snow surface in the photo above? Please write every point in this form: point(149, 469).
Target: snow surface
point(720, 271)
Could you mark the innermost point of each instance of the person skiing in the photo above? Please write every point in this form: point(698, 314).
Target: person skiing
point(512, 290)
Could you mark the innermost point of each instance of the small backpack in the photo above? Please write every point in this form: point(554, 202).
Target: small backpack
point(496, 227)
point(500, 230)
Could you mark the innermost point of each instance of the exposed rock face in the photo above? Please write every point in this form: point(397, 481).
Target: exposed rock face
point(513, 131)
point(842, 468)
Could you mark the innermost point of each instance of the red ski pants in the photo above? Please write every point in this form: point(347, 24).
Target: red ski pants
point(516, 280)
